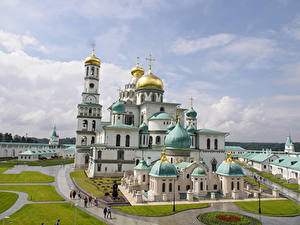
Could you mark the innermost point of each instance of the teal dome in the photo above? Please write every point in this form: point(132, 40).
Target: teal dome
point(198, 171)
point(171, 127)
point(118, 107)
point(142, 165)
point(143, 128)
point(178, 138)
point(161, 116)
point(190, 129)
point(191, 113)
point(230, 168)
point(163, 168)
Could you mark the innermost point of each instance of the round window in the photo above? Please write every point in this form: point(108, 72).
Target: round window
point(92, 85)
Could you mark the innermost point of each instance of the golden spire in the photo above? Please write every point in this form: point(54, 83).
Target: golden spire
point(229, 158)
point(137, 71)
point(138, 61)
point(93, 51)
point(92, 60)
point(191, 101)
point(150, 59)
point(163, 157)
point(119, 90)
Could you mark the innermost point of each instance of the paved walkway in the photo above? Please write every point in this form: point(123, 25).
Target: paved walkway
point(22, 200)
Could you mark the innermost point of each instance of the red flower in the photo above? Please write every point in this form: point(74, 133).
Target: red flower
point(228, 218)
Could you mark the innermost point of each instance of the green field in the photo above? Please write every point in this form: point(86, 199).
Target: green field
point(94, 186)
point(159, 210)
point(36, 193)
point(25, 177)
point(48, 213)
point(44, 163)
point(271, 207)
point(7, 200)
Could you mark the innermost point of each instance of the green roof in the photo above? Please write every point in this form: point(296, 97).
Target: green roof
point(23, 143)
point(38, 152)
point(142, 165)
point(119, 125)
point(118, 107)
point(191, 129)
point(287, 162)
point(261, 157)
point(71, 148)
point(230, 169)
point(208, 131)
point(90, 104)
point(163, 169)
point(54, 132)
point(161, 116)
point(198, 171)
point(182, 165)
point(178, 138)
point(171, 127)
point(191, 113)
point(234, 148)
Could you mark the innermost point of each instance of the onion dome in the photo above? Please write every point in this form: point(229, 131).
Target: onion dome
point(137, 71)
point(150, 81)
point(288, 140)
point(199, 172)
point(230, 168)
point(118, 107)
point(161, 116)
point(163, 168)
point(54, 134)
point(92, 60)
point(178, 138)
point(191, 113)
point(142, 165)
point(191, 129)
point(171, 127)
point(144, 128)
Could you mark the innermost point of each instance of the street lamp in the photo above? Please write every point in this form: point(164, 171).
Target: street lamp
point(259, 204)
point(174, 195)
point(75, 212)
point(7, 217)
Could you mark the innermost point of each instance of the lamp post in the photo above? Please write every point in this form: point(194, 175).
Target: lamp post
point(174, 197)
point(259, 204)
point(75, 212)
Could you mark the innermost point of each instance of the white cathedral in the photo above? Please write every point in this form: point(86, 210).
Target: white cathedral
point(141, 123)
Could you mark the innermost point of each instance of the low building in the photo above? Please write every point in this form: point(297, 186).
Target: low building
point(261, 162)
point(37, 154)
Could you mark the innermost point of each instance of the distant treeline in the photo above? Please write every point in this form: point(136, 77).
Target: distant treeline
point(259, 146)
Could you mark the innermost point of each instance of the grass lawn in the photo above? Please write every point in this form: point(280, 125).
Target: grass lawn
point(271, 207)
point(158, 210)
point(7, 200)
point(266, 175)
point(253, 170)
point(44, 163)
point(25, 177)
point(277, 180)
point(256, 184)
point(298, 191)
point(36, 193)
point(49, 213)
point(291, 186)
point(94, 186)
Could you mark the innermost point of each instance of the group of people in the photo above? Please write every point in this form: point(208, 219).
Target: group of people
point(57, 222)
point(88, 200)
point(107, 212)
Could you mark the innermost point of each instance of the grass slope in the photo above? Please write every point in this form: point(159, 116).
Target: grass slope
point(36, 193)
point(49, 213)
point(256, 184)
point(7, 200)
point(271, 207)
point(159, 210)
point(44, 163)
point(25, 177)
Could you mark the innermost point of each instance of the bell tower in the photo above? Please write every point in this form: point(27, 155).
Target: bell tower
point(89, 112)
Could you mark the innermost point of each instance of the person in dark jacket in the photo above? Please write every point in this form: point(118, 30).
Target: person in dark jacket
point(104, 212)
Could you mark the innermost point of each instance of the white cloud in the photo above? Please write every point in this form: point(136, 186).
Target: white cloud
point(291, 75)
point(174, 76)
point(185, 69)
point(183, 46)
point(293, 29)
point(218, 66)
point(14, 42)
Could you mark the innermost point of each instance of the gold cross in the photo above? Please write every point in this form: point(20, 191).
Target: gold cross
point(119, 90)
point(150, 59)
point(93, 46)
point(191, 101)
point(138, 61)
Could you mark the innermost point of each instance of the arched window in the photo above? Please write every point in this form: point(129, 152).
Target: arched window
point(150, 140)
point(216, 144)
point(86, 159)
point(188, 187)
point(142, 98)
point(214, 165)
point(118, 140)
point(162, 109)
point(137, 162)
point(153, 97)
point(87, 70)
point(215, 187)
point(93, 140)
point(187, 176)
point(163, 187)
point(238, 185)
point(97, 71)
point(170, 187)
point(94, 125)
point(127, 142)
point(144, 178)
point(85, 124)
point(83, 140)
point(92, 71)
point(120, 155)
point(157, 141)
point(90, 111)
point(144, 139)
point(208, 143)
point(201, 186)
point(232, 185)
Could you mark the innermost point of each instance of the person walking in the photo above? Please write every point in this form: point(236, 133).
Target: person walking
point(104, 212)
point(57, 222)
point(74, 194)
point(109, 212)
point(85, 202)
point(90, 200)
point(71, 194)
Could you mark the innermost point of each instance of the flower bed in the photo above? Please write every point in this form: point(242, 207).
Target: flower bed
point(225, 218)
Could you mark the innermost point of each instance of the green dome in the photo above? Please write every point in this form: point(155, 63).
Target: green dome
point(171, 127)
point(228, 168)
point(178, 138)
point(190, 129)
point(118, 107)
point(142, 165)
point(198, 171)
point(161, 116)
point(163, 168)
point(143, 128)
point(191, 113)
point(289, 141)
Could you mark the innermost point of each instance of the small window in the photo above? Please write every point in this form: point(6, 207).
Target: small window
point(118, 140)
point(170, 187)
point(144, 178)
point(232, 185)
point(92, 85)
point(238, 185)
point(127, 141)
point(163, 187)
point(187, 187)
point(215, 187)
point(162, 109)
point(188, 176)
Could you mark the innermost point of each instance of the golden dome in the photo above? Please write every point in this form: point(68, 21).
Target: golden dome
point(149, 81)
point(92, 60)
point(137, 71)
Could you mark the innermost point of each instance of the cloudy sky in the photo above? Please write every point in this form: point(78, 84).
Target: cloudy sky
point(239, 59)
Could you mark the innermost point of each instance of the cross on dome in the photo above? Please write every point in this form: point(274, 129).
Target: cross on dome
point(191, 101)
point(150, 59)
